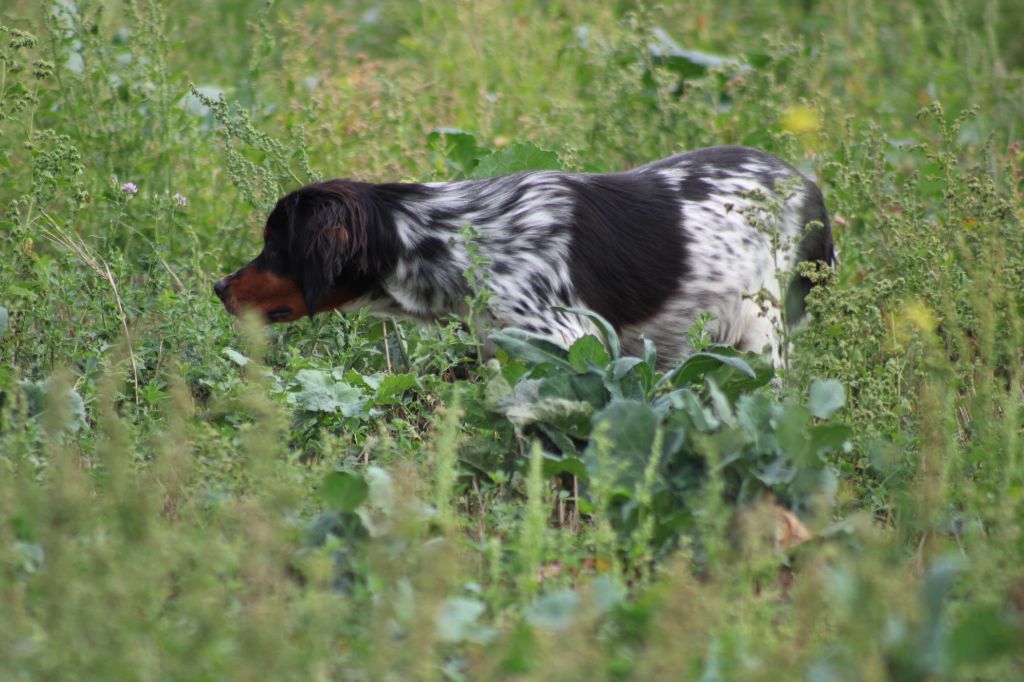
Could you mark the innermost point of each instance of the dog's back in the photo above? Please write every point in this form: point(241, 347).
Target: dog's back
point(748, 220)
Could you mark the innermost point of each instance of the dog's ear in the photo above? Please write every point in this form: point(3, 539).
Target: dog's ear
point(327, 236)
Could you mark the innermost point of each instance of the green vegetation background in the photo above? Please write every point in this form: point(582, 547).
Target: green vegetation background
point(183, 497)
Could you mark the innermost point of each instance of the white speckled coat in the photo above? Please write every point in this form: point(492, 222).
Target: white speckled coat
point(717, 230)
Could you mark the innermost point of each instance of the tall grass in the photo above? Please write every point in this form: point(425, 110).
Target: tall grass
point(178, 500)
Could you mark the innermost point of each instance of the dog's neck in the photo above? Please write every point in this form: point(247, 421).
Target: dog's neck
point(435, 227)
point(451, 234)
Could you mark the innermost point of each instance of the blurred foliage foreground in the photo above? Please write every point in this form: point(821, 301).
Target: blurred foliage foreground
point(186, 497)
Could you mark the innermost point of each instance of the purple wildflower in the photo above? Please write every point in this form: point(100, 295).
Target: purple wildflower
point(130, 188)
point(180, 199)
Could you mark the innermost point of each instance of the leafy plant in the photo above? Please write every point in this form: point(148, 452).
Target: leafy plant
point(608, 417)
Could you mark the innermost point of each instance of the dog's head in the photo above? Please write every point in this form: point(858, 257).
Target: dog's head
point(321, 249)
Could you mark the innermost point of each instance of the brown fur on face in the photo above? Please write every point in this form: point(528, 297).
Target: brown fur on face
point(275, 298)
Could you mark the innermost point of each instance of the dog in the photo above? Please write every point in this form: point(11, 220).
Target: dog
point(715, 230)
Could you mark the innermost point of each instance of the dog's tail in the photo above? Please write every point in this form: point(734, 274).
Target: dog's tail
point(816, 246)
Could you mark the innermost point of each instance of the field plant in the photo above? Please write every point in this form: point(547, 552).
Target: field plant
point(187, 496)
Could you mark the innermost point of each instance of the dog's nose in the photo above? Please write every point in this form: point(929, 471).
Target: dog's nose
point(219, 287)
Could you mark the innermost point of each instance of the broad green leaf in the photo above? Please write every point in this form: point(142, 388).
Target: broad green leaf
point(354, 378)
point(815, 485)
point(628, 378)
point(603, 594)
point(735, 382)
point(457, 149)
point(570, 416)
point(56, 396)
point(611, 337)
point(780, 470)
point(393, 385)
point(650, 353)
point(568, 465)
point(720, 403)
point(236, 357)
point(457, 619)
point(563, 443)
point(754, 414)
point(885, 456)
point(521, 156)
point(826, 396)
point(725, 447)
point(589, 388)
point(344, 491)
point(526, 391)
point(531, 347)
point(497, 391)
point(555, 610)
point(631, 426)
point(588, 351)
point(571, 386)
point(4, 319)
point(674, 435)
point(321, 393)
point(825, 438)
point(623, 366)
point(628, 428)
point(701, 417)
point(697, 365)
point(791, 431)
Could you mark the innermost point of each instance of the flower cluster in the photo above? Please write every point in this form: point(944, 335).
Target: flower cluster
point(131, 189)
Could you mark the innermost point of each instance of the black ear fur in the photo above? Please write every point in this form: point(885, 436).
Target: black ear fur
point(342, 231)
point(327, 236)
